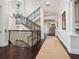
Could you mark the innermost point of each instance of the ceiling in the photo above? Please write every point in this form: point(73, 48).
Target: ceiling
point(48, 10)
point(52, 8)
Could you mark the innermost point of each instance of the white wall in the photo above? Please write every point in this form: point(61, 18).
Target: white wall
point(8, 8)
point(46, 27)
point(64, 35)
point(75, 44)
point(75, 37)
point(4, 21)
point(68, 36)
point(12, 9)
point(1, 25)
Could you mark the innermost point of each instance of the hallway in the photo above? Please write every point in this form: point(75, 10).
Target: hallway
point(52, 49)
point(26, 24)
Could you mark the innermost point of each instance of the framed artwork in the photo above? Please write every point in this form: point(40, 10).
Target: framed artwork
point(64, 20)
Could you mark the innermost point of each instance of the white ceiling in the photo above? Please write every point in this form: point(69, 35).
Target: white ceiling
point(49, 10)
point(52, 9)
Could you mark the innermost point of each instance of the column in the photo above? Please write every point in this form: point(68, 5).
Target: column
point(42, 23)
point(72, 16)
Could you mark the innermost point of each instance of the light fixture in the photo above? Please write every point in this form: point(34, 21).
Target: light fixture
point(47, 3)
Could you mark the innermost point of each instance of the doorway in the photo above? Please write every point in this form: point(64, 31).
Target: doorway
point(49, 27)
point(52, 30)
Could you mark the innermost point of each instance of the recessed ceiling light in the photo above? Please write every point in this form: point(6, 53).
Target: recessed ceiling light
point(47, 3)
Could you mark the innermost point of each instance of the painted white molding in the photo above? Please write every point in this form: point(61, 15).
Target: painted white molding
point(75, 51)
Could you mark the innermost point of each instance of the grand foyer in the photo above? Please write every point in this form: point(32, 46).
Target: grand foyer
point(25, 25)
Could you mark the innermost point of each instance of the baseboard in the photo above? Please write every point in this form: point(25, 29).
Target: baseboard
point(75, 51)
point(66, 49)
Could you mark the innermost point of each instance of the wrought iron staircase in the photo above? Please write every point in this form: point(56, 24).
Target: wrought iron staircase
point(26, 38)
point(27, 21)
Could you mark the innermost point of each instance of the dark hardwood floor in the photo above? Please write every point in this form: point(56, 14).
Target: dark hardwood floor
point(73, 56)
point(15, 52)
